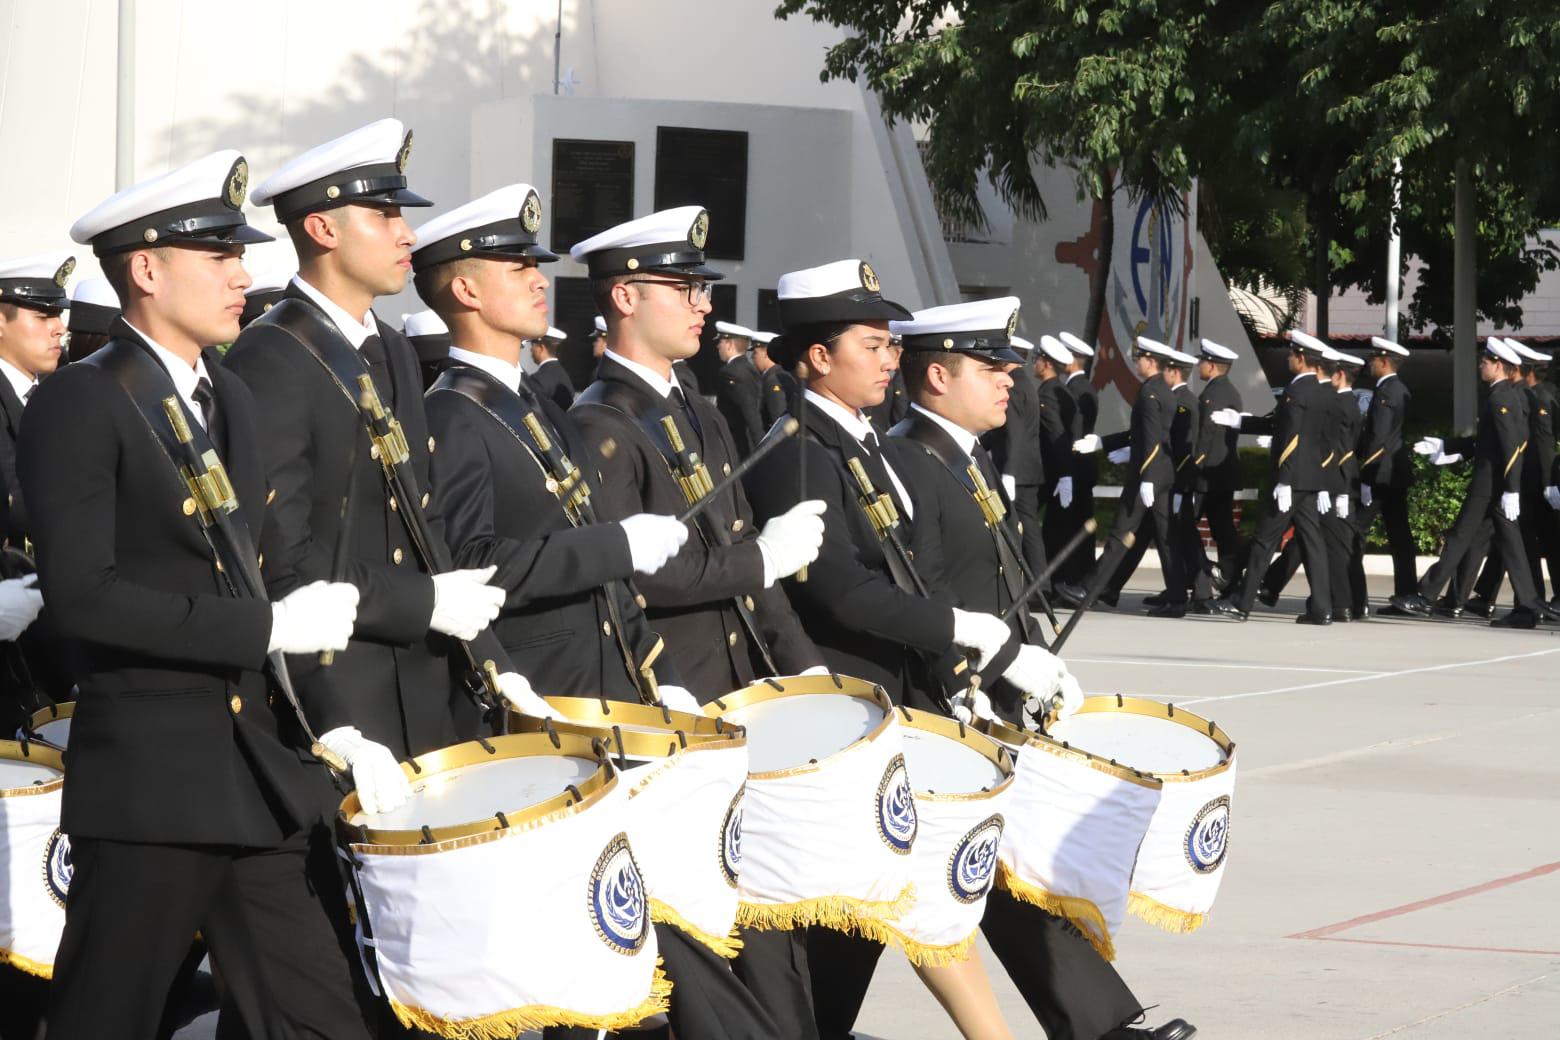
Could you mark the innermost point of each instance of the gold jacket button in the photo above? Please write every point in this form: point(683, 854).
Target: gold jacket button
point(188, 507)
point(235, 704)
point(430, 445)
point(270, 496)
point(726, 468)
point(373, 451)
point(731, 640)
point(394, 506)
point(747, 601)
point(736, 525)
point(425, 500)
point(606, 628)
point(398, 555)
point(260, 560)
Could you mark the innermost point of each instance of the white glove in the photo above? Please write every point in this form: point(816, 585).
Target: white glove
point(791, 540)
point(653, 539)
point(1323, 503)
point(1226, 417)
point(1283, 494)
point(1120, 455)
point(1088, 444)
point(464, 603)
point(1442, 459)
point(1265, 440)
point(1511, 505)
point(517, 690)
point(19, 605)
point(1146, 495)
point(1429, 446)
point(1064, 492)
point(1341, 507)
point(678, 699)
point(978, 708)
point(1072, 696)
point(1036, 671)
point(817, 669)
point(1175, 503)
point(317, 617)
point(381, 786)
point(1010, 485)
point(1552, 496)
point(983, 633)
point(1365, 495)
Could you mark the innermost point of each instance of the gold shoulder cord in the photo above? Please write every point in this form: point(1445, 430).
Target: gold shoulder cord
point(695, 479)
point(571, 489)
point(878, 506)
point(211, 490)
point(989, 501)
point(388, 441)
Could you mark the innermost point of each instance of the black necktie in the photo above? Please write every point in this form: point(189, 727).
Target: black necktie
point(206, 399)
point(28, 395)
point(688, 413)
point(987, 470)
point(373, 352)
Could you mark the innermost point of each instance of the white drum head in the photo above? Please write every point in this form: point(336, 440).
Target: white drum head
point(15, 773)
point(477, 792)
point(55, 733)
point(1146, 743)
point(941, 765)
point(791, 731)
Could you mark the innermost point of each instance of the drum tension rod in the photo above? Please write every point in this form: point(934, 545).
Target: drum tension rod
point(1119, 701)
point(961, 728)
point(768, 680)
point(839, 684)
point(721, 705)
point(25, 739)
point(622, 755)
point(415, 767)
point(682, 739)
point(427, 835)
point(575, 791)
point(666, 713)
point(1170, 709)
point(489, 748)
point(503, 821)
point(906, 713)
point(552, 734)
point(606, 705)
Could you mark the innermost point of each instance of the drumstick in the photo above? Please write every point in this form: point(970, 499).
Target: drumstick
point(1086, 531)
point(1083, 608)
point(338, 556)
point(764, 447)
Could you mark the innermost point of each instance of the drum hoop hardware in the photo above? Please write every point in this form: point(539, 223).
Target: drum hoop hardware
point(42, 753)
point(942, 725)
point(1161, 710)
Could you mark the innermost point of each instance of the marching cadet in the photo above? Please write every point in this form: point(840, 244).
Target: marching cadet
point(1016, 451)
point(717, 603)
point(1218, 472)
point(777, 387)
point(551, 378)
point(93, 308)
point(598, 337)
point(1146, 498)
point(896, 403)
point(1301, 430)
point(1493, 503)
point(738, 389)
point(1387, 465)
point(1060, 425)
point(32, 330)
point(311, 361)
point(1086, 411)
point(176, 628)
point(515, 480)
point(1183, 490)
point(430, 339)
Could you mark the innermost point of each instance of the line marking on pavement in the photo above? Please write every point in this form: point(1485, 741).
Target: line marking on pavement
point(1460, 1007)
point(1424, 904)
point(1369, 677)
point(1440, 946)
point(1161, 662)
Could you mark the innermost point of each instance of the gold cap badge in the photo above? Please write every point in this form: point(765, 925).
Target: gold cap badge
point(869, 278)
point(237, 184)
point(405, 153)
point(64, 272)
point(700, 231)
point(531, 214)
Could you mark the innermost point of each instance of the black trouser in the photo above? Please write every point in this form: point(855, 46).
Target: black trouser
point(1539, 541)
point(133, 909)
point(1480, 521)
point(841, 968)
point(1342, 539)
point(23, 1000)
point(1218, 505)
point(1068, 521)
point(1117, 562)
point(1188, 551)
point(1391, 504)
point(1028, 500)
point(1313, 552)
point(774, 967)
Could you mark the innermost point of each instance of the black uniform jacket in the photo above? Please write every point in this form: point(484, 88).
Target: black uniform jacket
point(1148, 435)
point(1059, 427)
point(737, 396)
point(1302, 429)
point(954, 546)
point(394, 681)
point(691, 598)
point(1385, 459)
point(552, 381)
point(173, 739)
point(1218, 459)
point(1539, 459)
point(491, 490)
point(1346, 436)
point(865, 624)
point(1085, 468)
point(1015, 445)
point(1498, 443)
point(1183, 438)
point(17, 528)
point(777, 389)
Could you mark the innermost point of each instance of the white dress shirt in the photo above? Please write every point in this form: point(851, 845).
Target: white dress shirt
point(186, 377)
point(354, 329)
point(498, 368)
point(654, 380)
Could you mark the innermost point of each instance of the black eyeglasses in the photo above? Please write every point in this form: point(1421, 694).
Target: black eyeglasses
point(697, 292)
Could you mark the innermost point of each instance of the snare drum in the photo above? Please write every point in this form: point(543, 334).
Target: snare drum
point(51, 725)
point(961, 781)
point(1181, 861)
point(828, 820)
point(505, 894)
point(35, 864)
point(685, 776)
point(1074, 827)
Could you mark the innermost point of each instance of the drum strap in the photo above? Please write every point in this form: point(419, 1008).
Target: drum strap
point(510, 411)
point(363, 929)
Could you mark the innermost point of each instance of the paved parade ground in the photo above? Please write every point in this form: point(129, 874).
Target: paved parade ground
point(1394, 866)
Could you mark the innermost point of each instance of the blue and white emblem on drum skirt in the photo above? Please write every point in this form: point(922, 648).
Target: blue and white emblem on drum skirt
point(1207, 839)
point(973, 865)
point(731, 839)
point(618, 907)
point(896, 807)
point(57, 867)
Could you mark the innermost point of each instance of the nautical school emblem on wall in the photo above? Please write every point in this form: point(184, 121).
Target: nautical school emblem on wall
point(731, 839)
point(973, 865)
point(57, 867)
point(1207, 839)
point(896, 808)
point(617, 898)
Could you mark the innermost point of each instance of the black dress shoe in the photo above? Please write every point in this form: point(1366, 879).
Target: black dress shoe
point(1521, 617)
point(1201, 606)
point(1448, 610)
point(1175, 1029)
point(1267, 597)
point(1225, 608)
point(1548, 613)
point(1359, 613)
point(1170, 610)
point(1156, 600)
point(1480, 607)
point(1414, 604)
point(1068, 595)
point(1314, 619)
point(1110, 599)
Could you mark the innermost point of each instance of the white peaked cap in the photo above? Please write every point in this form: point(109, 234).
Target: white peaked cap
point(728, 328)
point(1215, 352)
point(1309, 343)
point(95, 292)
point(1527, 353)
point(1075, 345)
point(209, 190)
point(764, 338)
point(1499, 348)
point(554, 332)
point(1387, 346)
point(1056, 350)
point(379, 142)
point(424, 323)
point(1154, 347)
point(600, 325)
